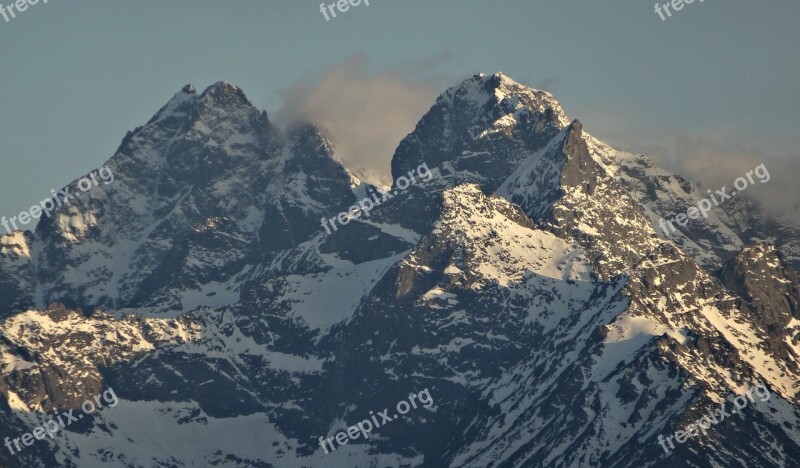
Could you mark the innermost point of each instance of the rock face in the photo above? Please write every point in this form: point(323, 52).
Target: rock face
point(525, 284)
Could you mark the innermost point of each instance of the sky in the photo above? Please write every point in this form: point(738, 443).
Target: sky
point(710, 92)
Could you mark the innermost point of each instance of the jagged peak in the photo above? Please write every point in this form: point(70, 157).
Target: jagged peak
point(187, 95)
point(761, 258)
point(492, 90)
point(576, 126)
point(309, 133)
point(465, 200)
point(223, 86)
point(759, 252)
point(451, 195)
point(759, 248)
point(306, 133)
point(217, 104)
point(16, 242)
point(305, 129)
point(490, 229)
point(219, 90)
point(225, 93)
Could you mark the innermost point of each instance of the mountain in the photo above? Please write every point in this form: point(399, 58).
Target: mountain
point(525, 285)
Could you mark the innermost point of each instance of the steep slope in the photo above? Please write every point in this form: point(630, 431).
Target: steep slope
point(713, 239)
point(17, 272)
point(483, 291)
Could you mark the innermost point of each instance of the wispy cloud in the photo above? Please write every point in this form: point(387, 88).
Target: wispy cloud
point(715, 166)
point(365, 114)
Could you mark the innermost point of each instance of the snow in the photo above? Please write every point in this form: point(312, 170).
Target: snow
point(151, 432)
point(518, 250)
point(394, 230)
point(211, 294)
point(14, 244)
point(16, 403)
point(626, 336)
point(325, 299)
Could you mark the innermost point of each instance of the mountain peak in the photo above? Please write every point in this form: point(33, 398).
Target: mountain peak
point(499, 79)
point(175, 106)
point(485, 117)
point(499, 90)
point(223, 86)
point(223, 92)
point(576, 126)
point(762, 258)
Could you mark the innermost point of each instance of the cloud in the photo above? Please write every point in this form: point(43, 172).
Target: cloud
point(364, 114)
point(548, 84)
point(715, 166)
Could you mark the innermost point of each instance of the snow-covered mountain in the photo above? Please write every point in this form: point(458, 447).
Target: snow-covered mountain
point(526, 285)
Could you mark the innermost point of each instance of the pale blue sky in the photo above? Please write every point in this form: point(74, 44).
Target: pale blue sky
point(75, 75)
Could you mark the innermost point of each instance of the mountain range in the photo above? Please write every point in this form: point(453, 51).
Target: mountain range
point(526, 285)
